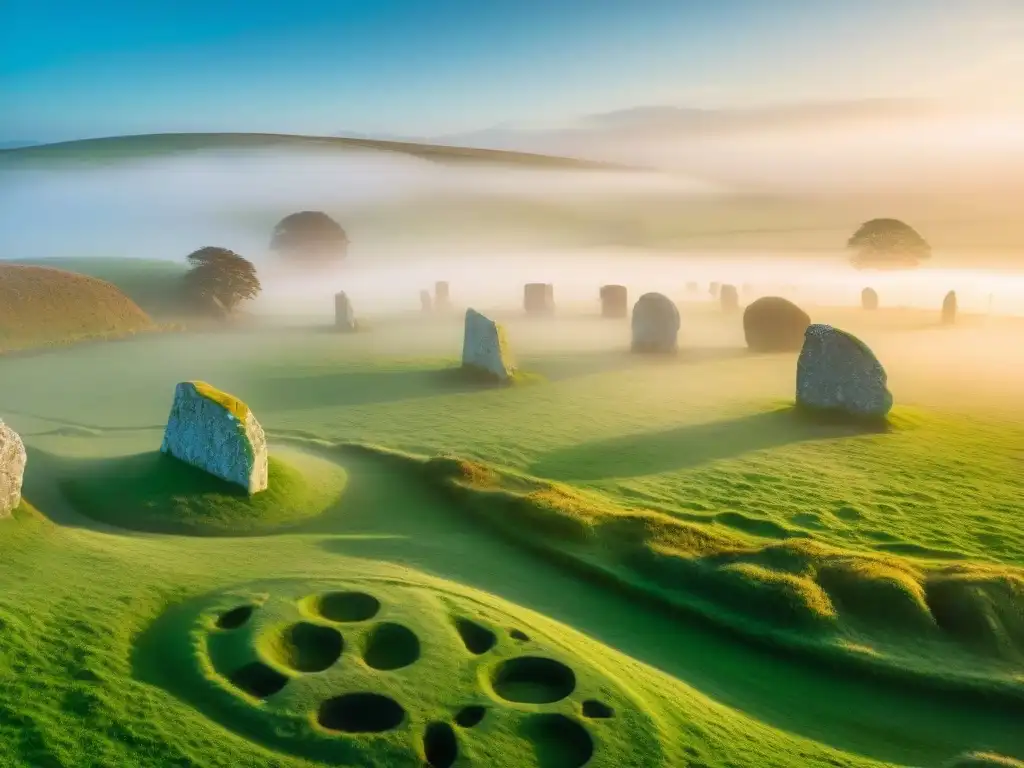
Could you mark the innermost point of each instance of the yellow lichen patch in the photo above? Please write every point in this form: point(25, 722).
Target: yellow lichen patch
point(229, 402)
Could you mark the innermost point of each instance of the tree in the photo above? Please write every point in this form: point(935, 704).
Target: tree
point(311, 236)
point(887, 243)
point(220, 279)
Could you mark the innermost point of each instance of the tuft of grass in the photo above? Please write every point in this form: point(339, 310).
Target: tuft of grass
point(157, 493)
point(40, 306)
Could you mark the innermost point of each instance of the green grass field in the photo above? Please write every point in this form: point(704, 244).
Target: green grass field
point(627, 562)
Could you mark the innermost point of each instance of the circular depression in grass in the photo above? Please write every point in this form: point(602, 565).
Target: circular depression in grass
point(347, 606)
point(306, 647)
point(533, 680)
point(360, 713)
point(157, 493)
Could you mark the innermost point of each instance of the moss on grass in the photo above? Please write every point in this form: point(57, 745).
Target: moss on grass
point(157, 493)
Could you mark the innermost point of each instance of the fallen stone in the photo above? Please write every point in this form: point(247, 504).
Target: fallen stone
point(215, 432)
point(485, 348)
point(614, 301)
point(837, 372)
point(344, 315)
point(12, 469)
point(655, 324)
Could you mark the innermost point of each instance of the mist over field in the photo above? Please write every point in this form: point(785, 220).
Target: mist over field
point(755, 199)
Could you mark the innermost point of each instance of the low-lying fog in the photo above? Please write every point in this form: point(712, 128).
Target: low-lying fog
point(168, 205)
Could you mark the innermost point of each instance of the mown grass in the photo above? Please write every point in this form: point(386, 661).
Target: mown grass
point(44, 307)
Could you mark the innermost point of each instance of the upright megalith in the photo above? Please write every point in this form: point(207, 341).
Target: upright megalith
point(344, 315)
point(442, 299)
point(729, 298)
point(12, 469)
point(693, 288)
point(485, 348)
point(774, 324)
point(949, 307)
point(539, 298)
point(869, 299)
point(836, 372)
point(614, 301)
point(216, 432)
point(426, 303)
point(713, 289)
point(655, 324)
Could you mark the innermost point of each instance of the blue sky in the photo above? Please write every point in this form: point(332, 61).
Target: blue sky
point(72, 69)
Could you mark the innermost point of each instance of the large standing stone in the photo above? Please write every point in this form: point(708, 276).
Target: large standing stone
point(216, 432)
point(442, 299)
point(614, 301)
point(539, 298)
point(426, 303)
point(12, 469)
point(774, 324)
point(485, 348)
point(869, 299)
point(729, 298)
point(837, 372)
point(344, 315)
point(655, 324)
point(713, 289)
point(949, 306)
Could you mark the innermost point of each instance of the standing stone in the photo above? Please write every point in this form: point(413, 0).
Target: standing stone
point(774, 324)
point(539, 298)
point(217, 433)
point(12, 469)
point(713, 289)
point(837, 372)
point(614, 301)
point(485, 348)
point(655, 324)
point(692, 287)
point(344, 315)
point(426, 304)
point(729, 298)
point(441, 296)
point(869, 299)
point(949, 307)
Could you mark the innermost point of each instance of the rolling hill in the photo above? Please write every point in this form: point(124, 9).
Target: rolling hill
point(40, 306)
point(116, 148)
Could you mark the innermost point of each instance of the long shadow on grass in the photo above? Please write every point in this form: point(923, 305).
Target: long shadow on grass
point(556, 366)
point(650, 453)
point(357, 388)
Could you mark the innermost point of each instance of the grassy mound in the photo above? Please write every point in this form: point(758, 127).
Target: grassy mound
point(334, 671)
point(156, 493)
point(153, 284)
point(41, 306)
point(959, 625)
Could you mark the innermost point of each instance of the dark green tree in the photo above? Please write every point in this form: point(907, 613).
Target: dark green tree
point(887, 243)
point(220, 279)
point(310, 236)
